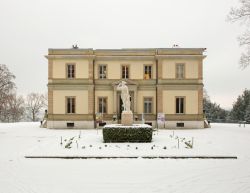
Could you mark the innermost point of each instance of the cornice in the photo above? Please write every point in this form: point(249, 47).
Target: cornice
point(180, 56)
point(134, 58)
point(69, 56)
point(147, 53)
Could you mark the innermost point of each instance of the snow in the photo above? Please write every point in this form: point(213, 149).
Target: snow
point(18, 174)
point(132, 126)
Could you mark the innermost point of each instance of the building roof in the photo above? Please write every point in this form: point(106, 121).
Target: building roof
point(126, 53)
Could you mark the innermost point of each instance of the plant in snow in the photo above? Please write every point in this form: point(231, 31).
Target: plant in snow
point(61, 141)
point(188, 144)
point(76, 144)
point(68, 145)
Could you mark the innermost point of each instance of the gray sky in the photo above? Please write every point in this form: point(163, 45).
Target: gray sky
point(29, 27)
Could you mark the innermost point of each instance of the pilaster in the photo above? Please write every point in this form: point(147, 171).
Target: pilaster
point(50, 68)
point(90, 99)
point(115, 100)
point(159, 99)
point(91, 71)
point(50, 101)
point(200, 69)
point(159, 69)
point(200, 100)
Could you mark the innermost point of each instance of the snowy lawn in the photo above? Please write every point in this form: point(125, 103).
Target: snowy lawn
point(18, 174)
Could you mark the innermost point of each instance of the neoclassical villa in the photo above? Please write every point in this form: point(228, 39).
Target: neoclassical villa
point(166, 82)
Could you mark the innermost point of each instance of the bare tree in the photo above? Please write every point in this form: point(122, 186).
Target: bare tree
point(35, 103)
point(17, 107)
point(242, 14)
point(45, 97)
point(13, 108)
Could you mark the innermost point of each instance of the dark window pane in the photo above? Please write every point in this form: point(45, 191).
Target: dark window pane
point(70, 71)
point(177, 105)
point(68, 107)
point(102, 106)
point(149, 108)
point(147, 72)
point(102, 71)
point(125, 72)
point(147, 105)
point(182, 105)
point(73, 105)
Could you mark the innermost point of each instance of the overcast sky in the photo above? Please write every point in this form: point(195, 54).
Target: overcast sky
point(29, 27)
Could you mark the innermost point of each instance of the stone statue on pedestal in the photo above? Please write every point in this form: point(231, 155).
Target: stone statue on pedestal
point(124, 95)
point(127, 115)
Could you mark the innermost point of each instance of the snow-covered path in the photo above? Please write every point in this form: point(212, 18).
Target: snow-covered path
point(18, 174)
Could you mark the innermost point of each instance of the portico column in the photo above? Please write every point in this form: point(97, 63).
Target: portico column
point(114, 100)
point(135, 100)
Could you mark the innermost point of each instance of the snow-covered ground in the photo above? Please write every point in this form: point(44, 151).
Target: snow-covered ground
point(18, 174)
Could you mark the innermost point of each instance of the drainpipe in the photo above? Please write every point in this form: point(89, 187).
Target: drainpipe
point(94, 114)
point(156, 95)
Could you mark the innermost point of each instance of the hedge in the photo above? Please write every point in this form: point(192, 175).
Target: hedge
point(121, 134)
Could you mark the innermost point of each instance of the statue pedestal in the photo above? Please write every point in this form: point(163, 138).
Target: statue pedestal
point(127, 118)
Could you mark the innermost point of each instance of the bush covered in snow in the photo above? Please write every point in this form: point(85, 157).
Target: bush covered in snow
point(119, 133)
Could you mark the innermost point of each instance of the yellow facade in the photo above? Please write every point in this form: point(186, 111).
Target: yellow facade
point(169, 68)
point(59, 104)
point(191, 101)
point(114, 68)
point(59, 68)
point(141, 96)
point(156, 92)
point(106, 94)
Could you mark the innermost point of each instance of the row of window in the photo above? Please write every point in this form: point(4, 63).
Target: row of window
point(125, 71)
point(102, 71)
point(103, 105)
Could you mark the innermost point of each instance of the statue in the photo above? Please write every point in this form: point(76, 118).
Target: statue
point(124, 95)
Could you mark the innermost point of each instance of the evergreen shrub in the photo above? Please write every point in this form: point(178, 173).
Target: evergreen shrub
point(121, 134)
